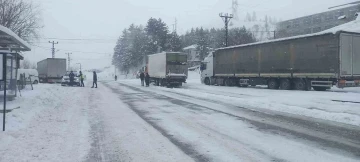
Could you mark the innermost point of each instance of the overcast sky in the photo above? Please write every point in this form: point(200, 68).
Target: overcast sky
point(100, 22)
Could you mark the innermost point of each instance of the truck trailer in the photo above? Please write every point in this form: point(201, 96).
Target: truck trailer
point(51, 70)
point(316, 61)
point(167, 68)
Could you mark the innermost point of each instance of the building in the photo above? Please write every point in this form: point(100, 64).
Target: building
point(318, 22)
point(193, 55)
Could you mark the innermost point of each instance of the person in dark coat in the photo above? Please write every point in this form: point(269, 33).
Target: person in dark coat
point(147, 79)
point(94, 80)
point(72, 78)
point(81, 76)
point(115, 77)
point(142, 77)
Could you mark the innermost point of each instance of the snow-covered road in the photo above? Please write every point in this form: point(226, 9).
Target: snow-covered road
point(122, 121)
point(214, 128)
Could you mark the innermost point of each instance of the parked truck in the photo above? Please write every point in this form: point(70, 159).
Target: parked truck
point(316, 61)
point(51, 70)
point(167, 68)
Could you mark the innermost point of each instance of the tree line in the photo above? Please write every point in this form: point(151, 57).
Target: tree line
point(137, 41)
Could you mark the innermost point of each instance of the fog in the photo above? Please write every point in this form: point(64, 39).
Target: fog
point(89, 28)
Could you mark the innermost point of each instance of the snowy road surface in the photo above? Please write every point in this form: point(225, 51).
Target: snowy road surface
point(122, 121)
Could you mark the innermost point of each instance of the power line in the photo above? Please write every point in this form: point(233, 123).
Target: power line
point(65, 50)
point(78, 39)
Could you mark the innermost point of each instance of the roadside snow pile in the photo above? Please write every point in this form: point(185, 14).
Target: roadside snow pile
point(49, 126)
point(194, 77)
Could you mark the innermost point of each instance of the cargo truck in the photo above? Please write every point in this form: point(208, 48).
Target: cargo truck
point(316, 61)
point(51, 70)
point(167, 68)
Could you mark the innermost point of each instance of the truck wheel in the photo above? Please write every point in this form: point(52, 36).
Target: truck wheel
point(300, 84)
point(227, 82)
point(162, 81)
point(285, 84)
point(273, 84)
point(320, 88)
point(207, 81)
point(36, 82)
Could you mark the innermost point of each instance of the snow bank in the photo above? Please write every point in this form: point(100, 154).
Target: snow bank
point(50, 125)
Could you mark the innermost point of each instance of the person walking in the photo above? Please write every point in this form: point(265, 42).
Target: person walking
point(142, 77)
point(81, 76)
point(147, 79)
point(72, 78)
point(94, 80)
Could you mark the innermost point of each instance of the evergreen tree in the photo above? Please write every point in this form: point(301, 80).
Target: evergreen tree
point(202, 43)
point(239, 36)
point(157, 32)
point(254, 18)
point(248, 17)
point(174, 42)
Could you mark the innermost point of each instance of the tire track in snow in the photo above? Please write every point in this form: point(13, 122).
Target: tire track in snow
point(101, 149)
point(188, 149)
point(345, 139)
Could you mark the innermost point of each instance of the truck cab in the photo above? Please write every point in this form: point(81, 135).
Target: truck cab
point(207, 69)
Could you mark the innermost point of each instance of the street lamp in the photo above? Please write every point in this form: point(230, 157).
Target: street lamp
point(80, 65)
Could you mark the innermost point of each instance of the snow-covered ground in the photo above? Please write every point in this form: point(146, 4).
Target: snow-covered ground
point(122, 121)
point(338, 105)
point(69, 124)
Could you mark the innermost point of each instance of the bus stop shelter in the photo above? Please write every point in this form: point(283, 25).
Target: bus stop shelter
point(11, 46)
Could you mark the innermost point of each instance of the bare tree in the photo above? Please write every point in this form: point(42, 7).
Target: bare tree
point(22, 17)
point(33, 65)
point(26, 64)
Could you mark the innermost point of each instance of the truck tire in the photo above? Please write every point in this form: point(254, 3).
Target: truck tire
point(157, 82)
point(320, 88)
point(207, 81)
point(227, 82)
point(285, 84)
point(273, 84)
point(162, 82)
point(300, 85)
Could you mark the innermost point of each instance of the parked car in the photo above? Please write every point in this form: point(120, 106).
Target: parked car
point(66, 79)
point(30, 75)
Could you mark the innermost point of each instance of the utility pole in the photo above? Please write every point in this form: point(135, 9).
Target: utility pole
point(226, 17)
point(53, 48)
point(175, 26)
point(80, 65)
point(68, 60)
point(274, 34)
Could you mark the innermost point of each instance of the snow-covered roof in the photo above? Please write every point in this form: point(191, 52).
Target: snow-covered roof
point(352, 26)
point(194, 46)
point(8, 39)
point(323, 10)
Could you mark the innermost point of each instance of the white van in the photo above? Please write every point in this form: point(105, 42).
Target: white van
point(33, 73)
